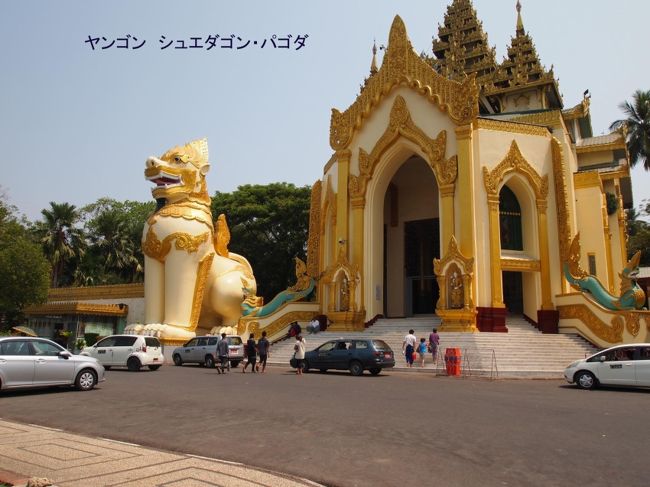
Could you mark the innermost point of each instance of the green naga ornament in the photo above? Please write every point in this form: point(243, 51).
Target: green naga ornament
point(631, 296)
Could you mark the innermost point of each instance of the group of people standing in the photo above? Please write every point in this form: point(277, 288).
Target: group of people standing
point(412, 348)
point(252, 349)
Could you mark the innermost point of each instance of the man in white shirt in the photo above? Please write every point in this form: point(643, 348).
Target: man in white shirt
point(408, 347)
point(299, 348)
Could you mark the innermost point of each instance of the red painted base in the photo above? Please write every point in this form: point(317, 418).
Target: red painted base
point(491, 319)
point(548, 320)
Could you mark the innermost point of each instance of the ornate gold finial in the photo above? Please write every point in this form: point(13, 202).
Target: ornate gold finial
point(520, 22)
point(373, 64)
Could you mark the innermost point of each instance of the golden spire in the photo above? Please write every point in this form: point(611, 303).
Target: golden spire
point(462, 46)
point(520, 22)
point(373, 64)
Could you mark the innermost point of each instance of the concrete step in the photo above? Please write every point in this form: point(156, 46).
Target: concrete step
point(522, 352)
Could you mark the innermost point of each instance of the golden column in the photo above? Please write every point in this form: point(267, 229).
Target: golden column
point(343, 158)
point(495, 251)
point(358, 205)
point(544, 261)
point(447, 207)
point(465, 192)
point(608, 245)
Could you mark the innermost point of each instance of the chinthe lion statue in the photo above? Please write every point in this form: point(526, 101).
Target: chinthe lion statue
point(191, 279)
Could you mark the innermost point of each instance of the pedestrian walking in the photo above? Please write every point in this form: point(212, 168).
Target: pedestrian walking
point(408, 347)
point(263, 347)
point(299, 348)
point(434, 342)
point(222, 352)
point(422, 350)
point(251, 354)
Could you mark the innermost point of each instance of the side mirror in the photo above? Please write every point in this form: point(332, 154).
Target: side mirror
point(65, 354)
point(602, 358)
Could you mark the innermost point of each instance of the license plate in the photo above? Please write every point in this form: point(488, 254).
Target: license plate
point(233, 352)
point(387, 355)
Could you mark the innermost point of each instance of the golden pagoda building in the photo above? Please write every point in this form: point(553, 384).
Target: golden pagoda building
point(475, 166)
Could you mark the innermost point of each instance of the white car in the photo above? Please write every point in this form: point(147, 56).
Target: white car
point(132, 351)
point(622, 365)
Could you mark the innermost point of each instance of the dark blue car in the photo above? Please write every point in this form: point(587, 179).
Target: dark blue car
point(355, 355)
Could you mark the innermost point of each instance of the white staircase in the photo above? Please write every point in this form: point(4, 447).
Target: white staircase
point(523, 352)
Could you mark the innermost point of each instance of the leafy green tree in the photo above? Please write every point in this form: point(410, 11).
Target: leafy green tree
point(269, 225)
point(62, 240)
point(638, 127)
point(24, 269)
point(115, 231)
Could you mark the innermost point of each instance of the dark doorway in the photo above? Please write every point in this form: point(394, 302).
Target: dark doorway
point(421, 246)
point(513, 295)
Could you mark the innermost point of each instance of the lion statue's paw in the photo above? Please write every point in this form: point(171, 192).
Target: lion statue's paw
point(167, 332)
point(134, 329)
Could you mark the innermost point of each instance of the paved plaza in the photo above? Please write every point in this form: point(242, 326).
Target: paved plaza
point(333, 429)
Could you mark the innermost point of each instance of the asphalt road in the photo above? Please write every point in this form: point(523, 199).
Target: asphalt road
point(393, 429)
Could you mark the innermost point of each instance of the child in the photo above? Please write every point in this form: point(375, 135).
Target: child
point(422, 350)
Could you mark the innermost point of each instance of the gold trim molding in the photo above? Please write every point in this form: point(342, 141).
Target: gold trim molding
point(154, 248)
point(552, 118)
point(514, 161)
point(115, 291)
point(402, 66)
point(511, 127)
point(75, 308)
point(610, 334)
point(616, 145)
point(561, 200)
point(401, 125)
point(588, 179)
point(520, 265)
point(313, 239)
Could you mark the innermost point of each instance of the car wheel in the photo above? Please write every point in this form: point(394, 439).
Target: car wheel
point(133, 364)
point(322, 371)
point(107, 367)
point(178, 360)
point(86, 380)
point(305, 366)
point(154, 367)
point(234, 363)
point(356, 368)
point(586, 380)
point(375, 371)
point(209, 361)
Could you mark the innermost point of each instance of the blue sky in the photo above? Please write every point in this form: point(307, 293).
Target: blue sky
point(78, 124)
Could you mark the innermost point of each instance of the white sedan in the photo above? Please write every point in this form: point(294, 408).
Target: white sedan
point(622, 365)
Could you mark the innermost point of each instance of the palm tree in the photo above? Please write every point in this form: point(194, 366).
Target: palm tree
point(112, 238)
point(61, 240)
point(638, 127)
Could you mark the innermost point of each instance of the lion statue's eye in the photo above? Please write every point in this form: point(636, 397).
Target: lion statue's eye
point(177, 159)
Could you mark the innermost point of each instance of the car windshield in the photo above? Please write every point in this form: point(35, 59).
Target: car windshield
point(234, 341)
point(380, 345)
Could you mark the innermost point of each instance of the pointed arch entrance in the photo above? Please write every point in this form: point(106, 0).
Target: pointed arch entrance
point(411, 237)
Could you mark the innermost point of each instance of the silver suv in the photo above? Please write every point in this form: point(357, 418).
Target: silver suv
point(203, 350)
point(132, 351)
point(38, 362)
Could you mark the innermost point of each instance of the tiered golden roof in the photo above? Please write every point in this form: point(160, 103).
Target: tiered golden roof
point(462, 47)
point(521, 67)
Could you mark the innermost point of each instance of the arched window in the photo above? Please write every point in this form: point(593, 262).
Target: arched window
point(510, 220)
